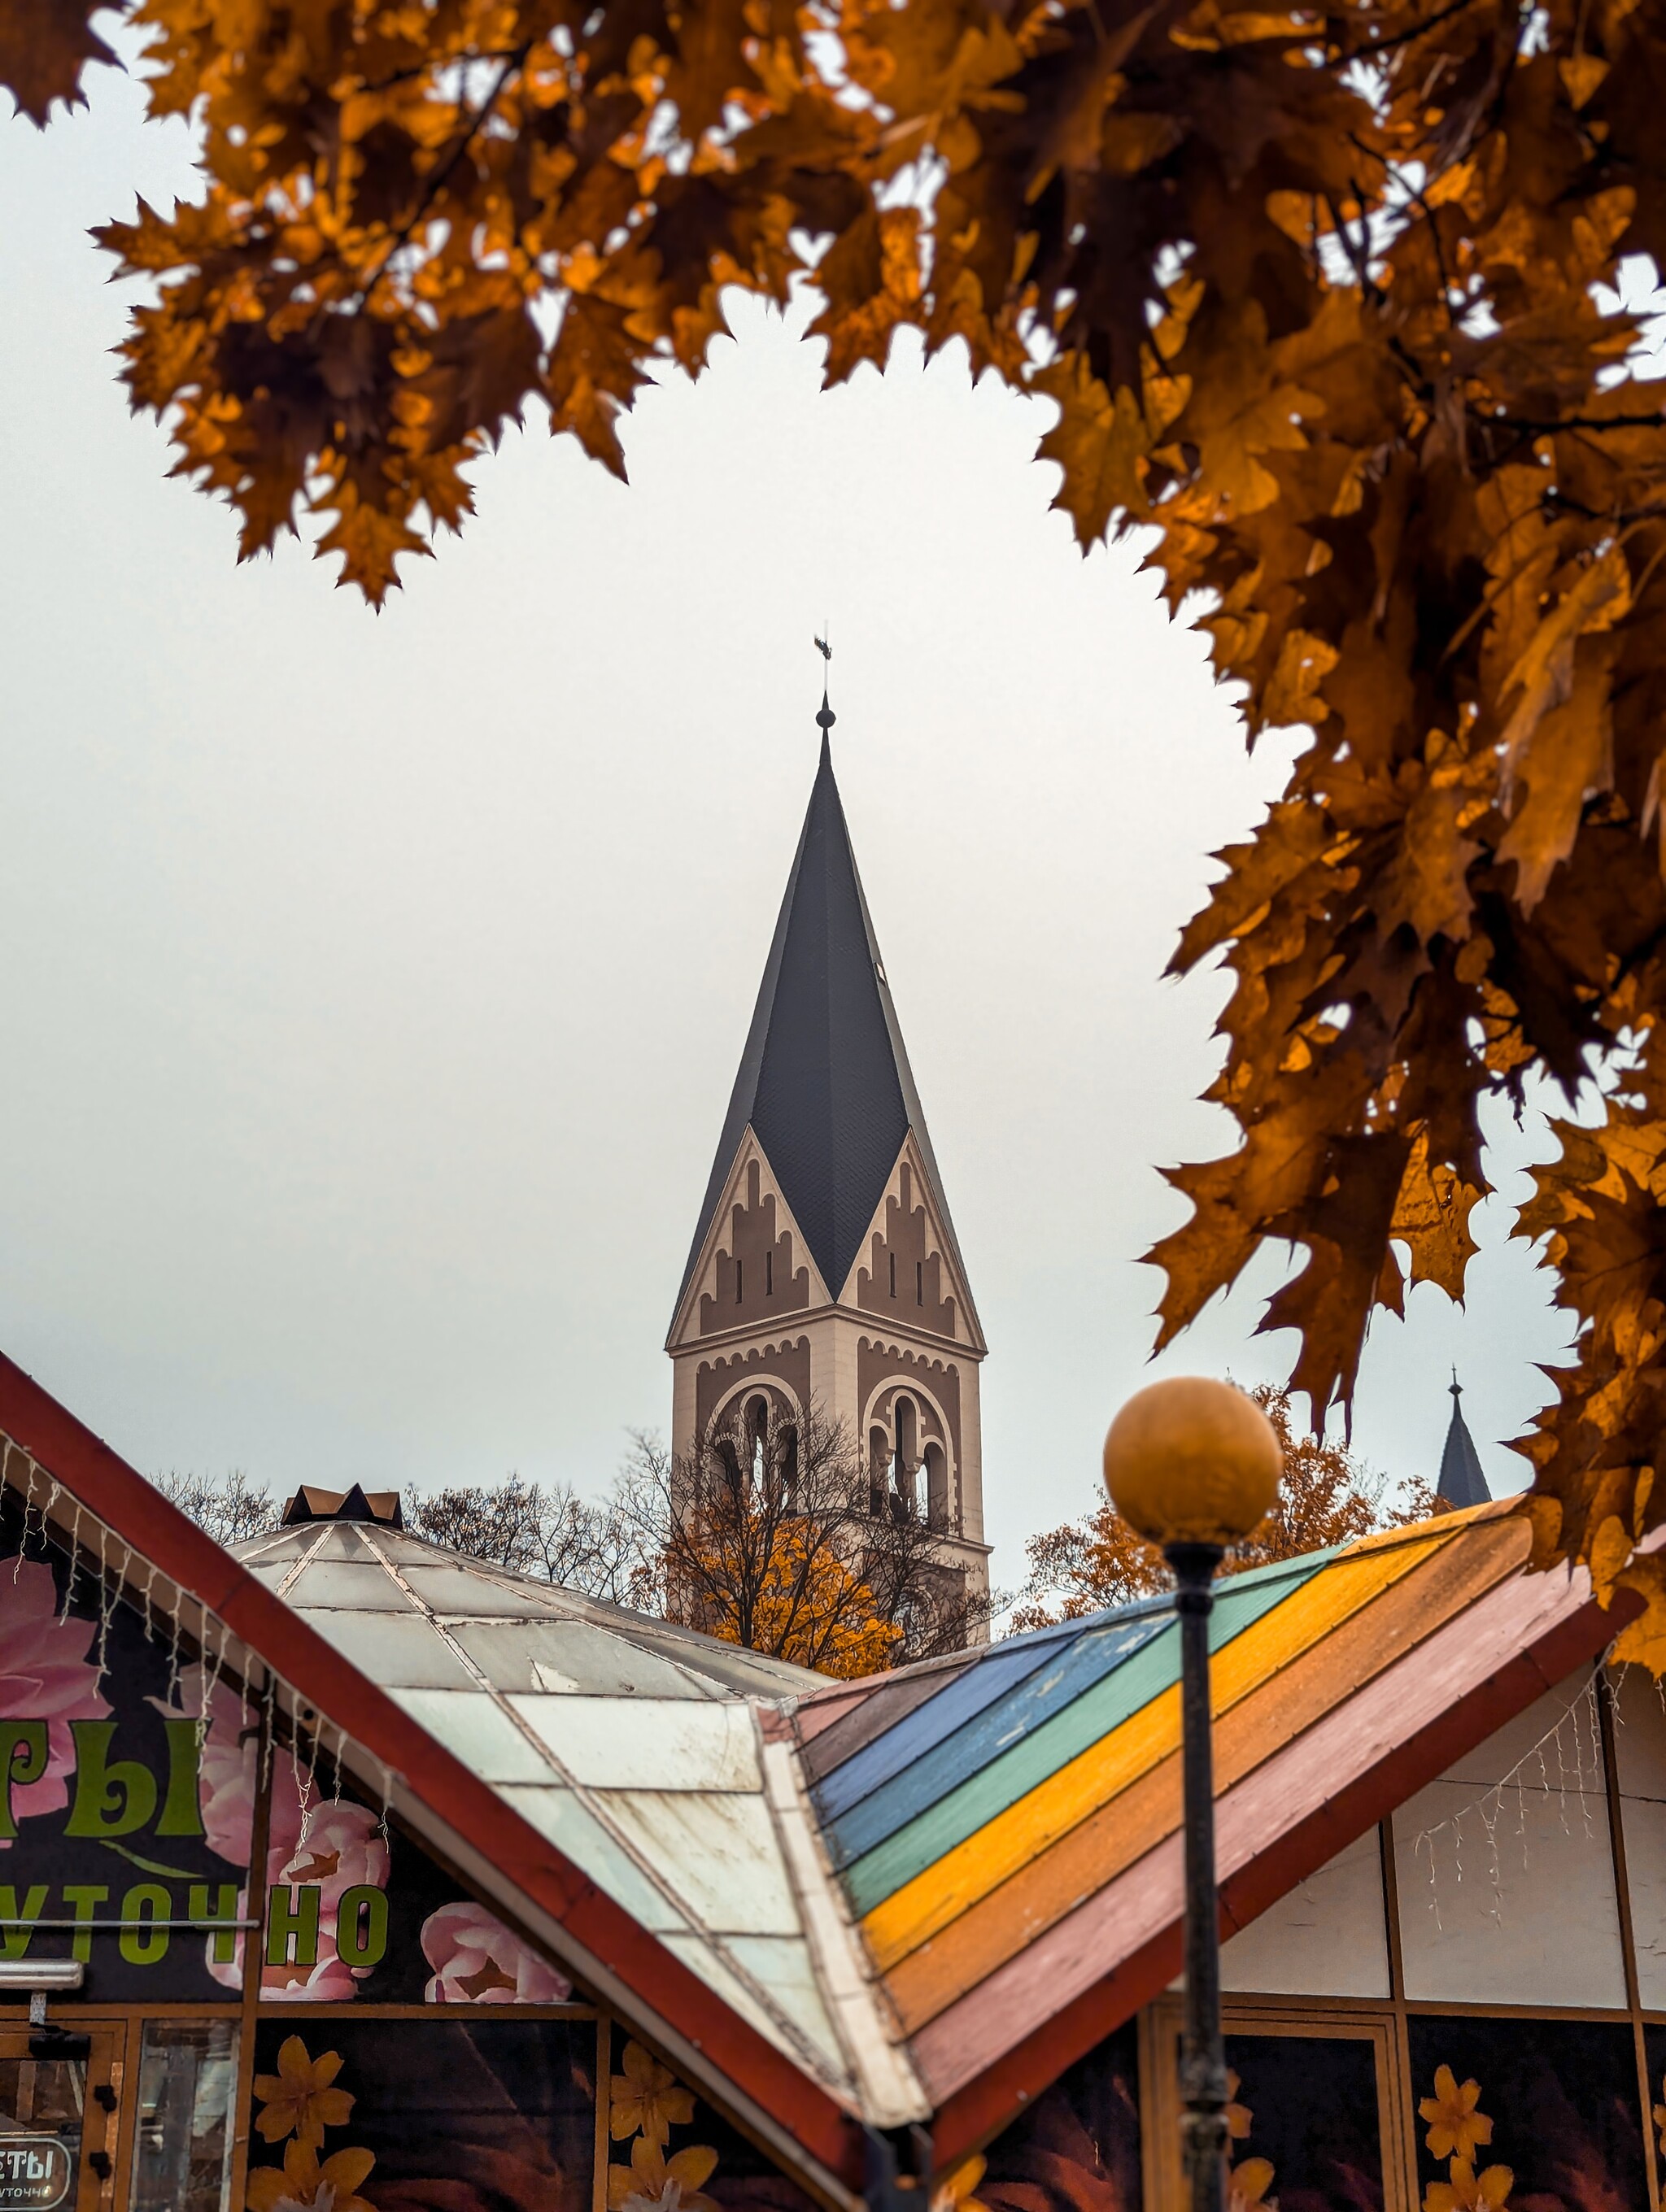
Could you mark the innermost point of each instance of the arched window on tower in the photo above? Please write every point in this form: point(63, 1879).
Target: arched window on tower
point(757, 1443)
point(788, 1453)
point(937, 1486)
point(908, 1431)
point(878, 1469)
point(907, 1461)
point(727, 1447)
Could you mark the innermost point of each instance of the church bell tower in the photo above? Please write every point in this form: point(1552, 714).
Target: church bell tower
point(824, 1268)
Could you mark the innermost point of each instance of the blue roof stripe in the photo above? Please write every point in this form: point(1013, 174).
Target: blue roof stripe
point(960, 1699)
point(1108, 1642)
point(965, 1751)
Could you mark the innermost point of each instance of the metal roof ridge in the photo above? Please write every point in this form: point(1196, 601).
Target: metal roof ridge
point(891, 2092)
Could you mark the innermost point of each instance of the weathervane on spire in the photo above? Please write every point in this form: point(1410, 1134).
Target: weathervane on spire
point(826, 718)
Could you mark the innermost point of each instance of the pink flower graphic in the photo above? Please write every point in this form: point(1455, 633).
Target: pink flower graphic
point(336, 1846)
point(226, 1769)
point(312, 1841)
point(329, 1982)
point(226, 1786)
point(339, 1845)
point(478, 1960)
point(45, 1674)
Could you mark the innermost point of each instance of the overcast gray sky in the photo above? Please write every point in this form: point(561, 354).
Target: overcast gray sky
point(372, 988)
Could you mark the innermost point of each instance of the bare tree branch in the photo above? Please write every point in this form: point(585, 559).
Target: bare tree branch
point(230, 1507)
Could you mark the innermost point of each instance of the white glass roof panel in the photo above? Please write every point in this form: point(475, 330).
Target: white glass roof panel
point(557, 1814)
point(697, 1954)
point(475, 1728)
point(720, 1852)
point(399, 1651)
point(474, 1592)
point(783, 1964)
point(648, 1743)
point(356, 1585)
point(571, 1658)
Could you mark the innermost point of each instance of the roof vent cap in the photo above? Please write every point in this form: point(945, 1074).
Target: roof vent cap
point(310, 1503)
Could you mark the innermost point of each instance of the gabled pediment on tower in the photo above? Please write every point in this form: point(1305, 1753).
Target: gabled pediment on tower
point(908, 1270)
point(753, 1267)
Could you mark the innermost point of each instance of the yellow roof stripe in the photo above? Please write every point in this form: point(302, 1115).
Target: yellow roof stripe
point(922, 1908)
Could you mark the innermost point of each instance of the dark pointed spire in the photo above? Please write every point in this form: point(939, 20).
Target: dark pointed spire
point(1462, 1482)
point(824, 1079)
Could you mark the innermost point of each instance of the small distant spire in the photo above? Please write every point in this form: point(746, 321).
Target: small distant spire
point(826, 718)
point(1462, 1482)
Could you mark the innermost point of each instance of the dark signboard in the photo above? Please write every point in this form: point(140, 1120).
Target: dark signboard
point(127, 1780)
point(424, 2113)
point(129, 1773)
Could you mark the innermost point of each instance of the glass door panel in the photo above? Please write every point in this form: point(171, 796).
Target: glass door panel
point(183, 2139)
point(58, 2107)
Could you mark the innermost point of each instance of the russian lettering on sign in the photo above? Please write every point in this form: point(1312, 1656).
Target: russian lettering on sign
point(36, 2170)
point(131, 1773)
point(128, 1776)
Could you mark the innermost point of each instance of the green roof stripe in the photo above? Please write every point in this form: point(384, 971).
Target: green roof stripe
point(995, 1787)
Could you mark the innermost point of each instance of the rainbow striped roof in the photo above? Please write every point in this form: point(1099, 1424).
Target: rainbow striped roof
point(1004, 1825)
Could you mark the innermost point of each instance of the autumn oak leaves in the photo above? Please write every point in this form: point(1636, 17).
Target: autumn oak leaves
point(1324, 298)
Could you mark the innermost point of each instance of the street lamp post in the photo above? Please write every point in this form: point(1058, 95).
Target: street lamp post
point(1193, 1465)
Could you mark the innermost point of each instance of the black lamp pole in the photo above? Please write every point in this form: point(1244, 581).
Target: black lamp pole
point(1194, 1465)
point(1203, 2056)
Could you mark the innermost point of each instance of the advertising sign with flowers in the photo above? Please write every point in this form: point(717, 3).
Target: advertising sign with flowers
point(670, 2152)
point(1306, 2125)
point(1077, 2149)
point(124, 1836)
point(357, 1910)
point(132, 1774)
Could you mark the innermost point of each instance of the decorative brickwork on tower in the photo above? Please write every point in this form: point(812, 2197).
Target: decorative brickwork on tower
point(825, 1265)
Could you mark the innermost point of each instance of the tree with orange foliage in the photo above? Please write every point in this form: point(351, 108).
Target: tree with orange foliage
point(1327, 1498)
point(766, 1534)
point(1332, 302)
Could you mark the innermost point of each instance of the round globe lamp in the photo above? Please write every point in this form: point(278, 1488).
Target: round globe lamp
point(1193, 1465)
point(1191, 1460)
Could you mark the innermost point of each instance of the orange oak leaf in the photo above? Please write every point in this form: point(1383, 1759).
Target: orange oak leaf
point(44, 48)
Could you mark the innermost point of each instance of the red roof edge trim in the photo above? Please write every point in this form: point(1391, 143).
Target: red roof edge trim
point(970, 2118)
point(980, 2109)
point(133, 1509)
